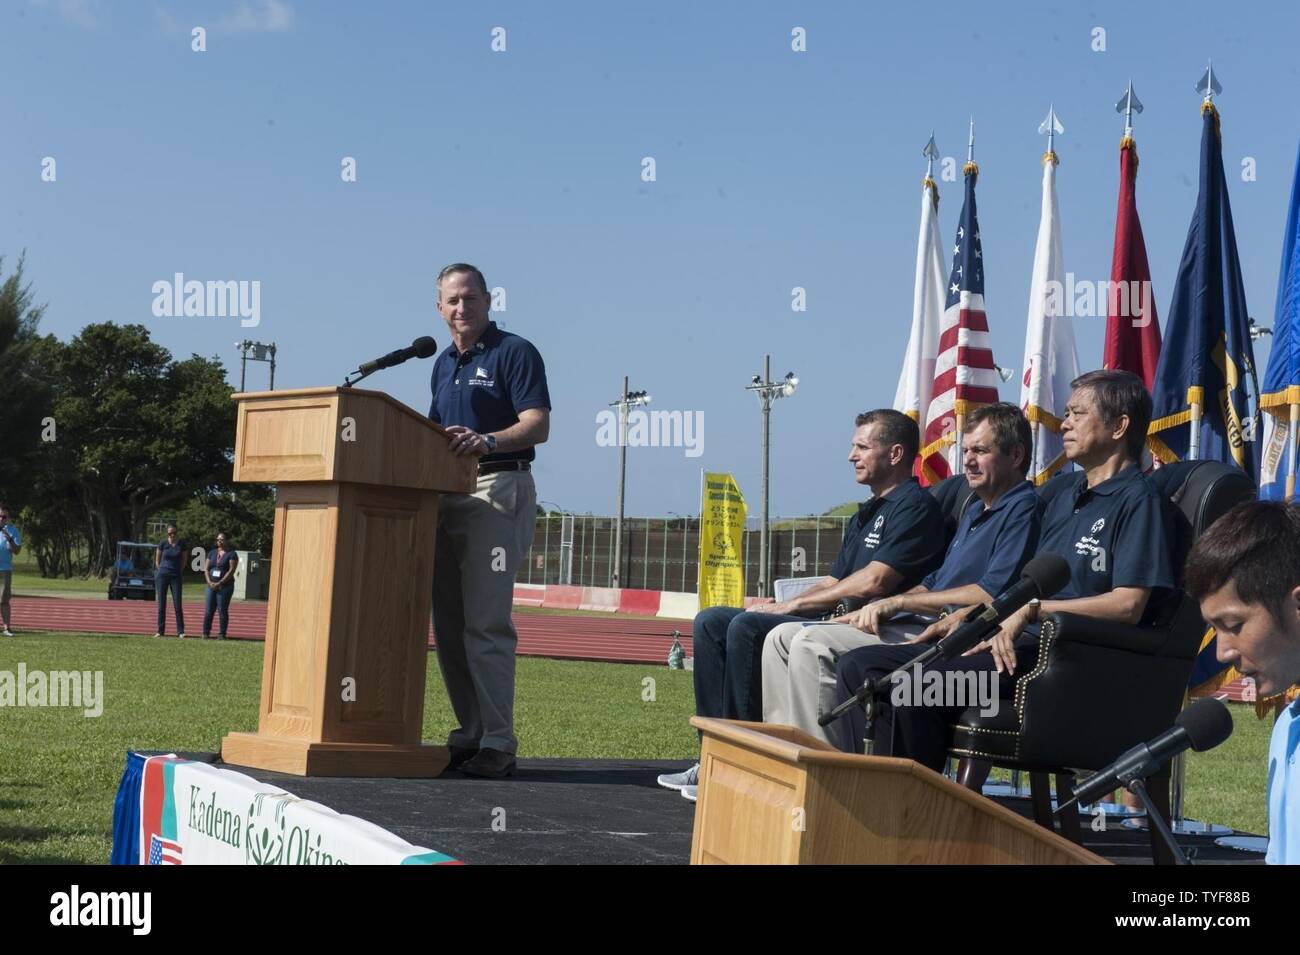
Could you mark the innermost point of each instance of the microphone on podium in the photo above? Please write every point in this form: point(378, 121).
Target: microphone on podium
point(422, 347)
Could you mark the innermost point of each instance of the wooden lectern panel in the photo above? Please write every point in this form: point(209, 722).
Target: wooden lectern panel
point(300, 592)
point(383, 621)
point(295, 440)
point(773, 794)
point(346, 435)
point(357, 477)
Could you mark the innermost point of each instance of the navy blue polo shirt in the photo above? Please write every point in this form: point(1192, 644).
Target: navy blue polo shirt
point(992, 544)
point(486, 387)
point(902, 529)
point(1112, 535)
point(170, 558)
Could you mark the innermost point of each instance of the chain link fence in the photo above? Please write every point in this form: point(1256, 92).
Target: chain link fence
point(662, 553)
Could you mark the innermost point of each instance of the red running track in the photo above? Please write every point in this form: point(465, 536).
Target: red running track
point(606, 639)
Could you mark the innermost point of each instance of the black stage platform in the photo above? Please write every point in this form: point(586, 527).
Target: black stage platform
point(583, 811)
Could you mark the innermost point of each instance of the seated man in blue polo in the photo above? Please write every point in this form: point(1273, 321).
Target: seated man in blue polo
point(896, 539)
point(1245, 573)
point(1109, 524)
point(995, 538)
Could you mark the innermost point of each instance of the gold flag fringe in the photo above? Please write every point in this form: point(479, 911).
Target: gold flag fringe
point(970, 169)
point(928, 183)
point(1272, 705)
point(1210, 108)
point(1128, 142)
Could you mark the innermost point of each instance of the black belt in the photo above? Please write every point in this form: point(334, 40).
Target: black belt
point(492, 467)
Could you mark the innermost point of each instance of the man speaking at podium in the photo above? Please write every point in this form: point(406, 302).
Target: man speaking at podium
point(489, 392)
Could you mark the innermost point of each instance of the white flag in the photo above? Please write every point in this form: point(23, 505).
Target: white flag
point(916, 383)
point(1051, 361)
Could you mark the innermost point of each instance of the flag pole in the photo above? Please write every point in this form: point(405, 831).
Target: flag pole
point(1178, 767)
point(1294, 437)
point(1207, 86)
point(954, 452)
point(1194, 435)
point(1195, 400)
point(1128, 105)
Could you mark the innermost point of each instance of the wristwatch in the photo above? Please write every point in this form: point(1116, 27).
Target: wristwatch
point(1035, 605)
point(491, 441)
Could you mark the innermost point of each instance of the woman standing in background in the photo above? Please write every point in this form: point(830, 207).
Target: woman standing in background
point(219, 575)
point(167, 559)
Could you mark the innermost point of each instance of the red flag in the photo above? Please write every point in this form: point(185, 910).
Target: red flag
point(1132, 328)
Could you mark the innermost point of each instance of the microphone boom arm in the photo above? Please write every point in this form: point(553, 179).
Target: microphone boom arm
point(349, 381)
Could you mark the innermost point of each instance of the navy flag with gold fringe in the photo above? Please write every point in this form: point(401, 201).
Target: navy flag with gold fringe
point(1207, 355)
point(1199, 393)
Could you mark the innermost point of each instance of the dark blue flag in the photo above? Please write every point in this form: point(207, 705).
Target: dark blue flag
point(1207, 354)
point(1280, 395)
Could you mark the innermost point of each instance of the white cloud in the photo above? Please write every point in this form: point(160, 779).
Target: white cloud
point(259, 16)
point(79, 13)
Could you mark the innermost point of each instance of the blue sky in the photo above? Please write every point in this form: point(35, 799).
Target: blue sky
point(775, 169)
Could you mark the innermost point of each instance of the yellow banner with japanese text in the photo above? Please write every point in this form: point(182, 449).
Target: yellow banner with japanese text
point(722, 529)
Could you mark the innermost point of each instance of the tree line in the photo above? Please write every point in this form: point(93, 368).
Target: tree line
point(101, 434)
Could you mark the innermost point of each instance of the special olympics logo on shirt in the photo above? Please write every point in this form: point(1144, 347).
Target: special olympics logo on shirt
point(1098, 525)
point(880, 522)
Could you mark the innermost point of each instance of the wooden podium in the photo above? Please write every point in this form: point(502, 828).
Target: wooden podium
point(773, 794)
point(357, 477)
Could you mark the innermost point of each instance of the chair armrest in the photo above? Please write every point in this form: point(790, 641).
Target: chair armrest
point(1180, 639)
point(1076, 628)
point(1099, 688)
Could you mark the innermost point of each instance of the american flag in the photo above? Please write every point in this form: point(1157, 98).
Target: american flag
point(964, 374)
point(163, 852)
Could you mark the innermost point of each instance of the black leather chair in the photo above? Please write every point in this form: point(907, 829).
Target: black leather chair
point(952, 495)
point(1100, 688)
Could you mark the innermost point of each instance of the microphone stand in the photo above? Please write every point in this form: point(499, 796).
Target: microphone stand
point(868, 697)
point(869, 711)
point(1138, 785)
point(1134, 780)
point(349, 381)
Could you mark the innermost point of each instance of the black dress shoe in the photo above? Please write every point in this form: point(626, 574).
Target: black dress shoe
point(490, 764)
point(460, 755)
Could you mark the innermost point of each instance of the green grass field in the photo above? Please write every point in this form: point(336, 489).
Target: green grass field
point(59, 770)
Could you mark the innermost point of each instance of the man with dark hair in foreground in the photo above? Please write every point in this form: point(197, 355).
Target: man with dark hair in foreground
point(1245, 573)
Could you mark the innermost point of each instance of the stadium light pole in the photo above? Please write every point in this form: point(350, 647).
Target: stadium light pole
point(255, 351)
point(628, 399)
point(768, 391)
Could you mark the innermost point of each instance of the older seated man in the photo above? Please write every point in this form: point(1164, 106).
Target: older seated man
point(896, 539)
point(1110, 527)
point(996, 536)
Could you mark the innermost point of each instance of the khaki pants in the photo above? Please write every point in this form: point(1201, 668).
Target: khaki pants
point(799, 672)
point(482, 540)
